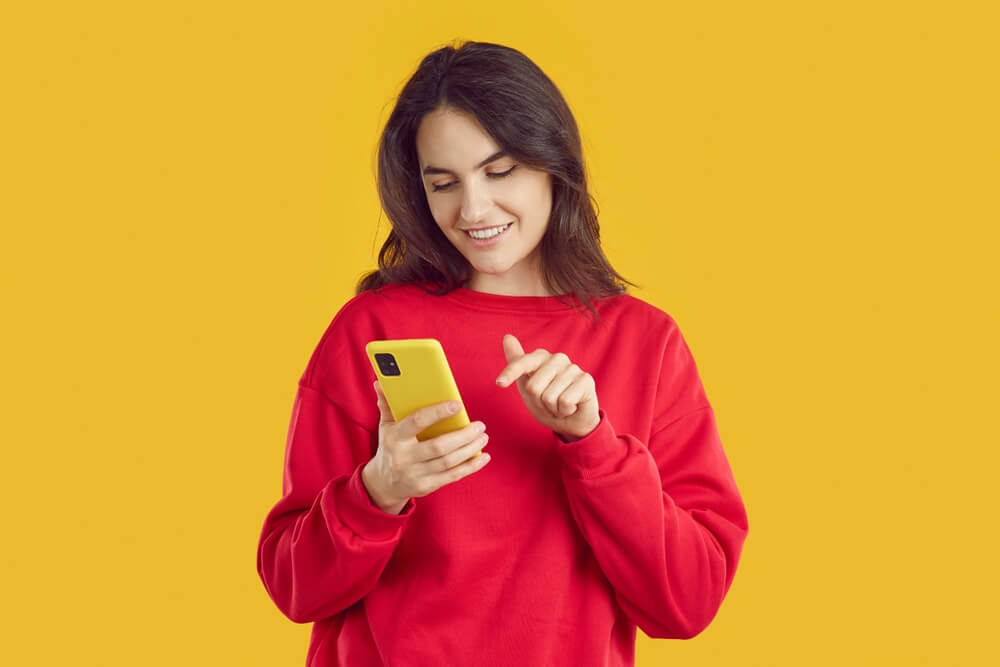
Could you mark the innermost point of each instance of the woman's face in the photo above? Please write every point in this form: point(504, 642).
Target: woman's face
point(465, 192)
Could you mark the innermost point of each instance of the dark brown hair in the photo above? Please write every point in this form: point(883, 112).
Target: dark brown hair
point(524, 112)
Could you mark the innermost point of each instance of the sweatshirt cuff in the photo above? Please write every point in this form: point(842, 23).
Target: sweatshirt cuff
point(356, 510)
point(599, 452)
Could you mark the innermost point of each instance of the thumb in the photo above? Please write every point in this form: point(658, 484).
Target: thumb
point(512, 348)
point(383, 406)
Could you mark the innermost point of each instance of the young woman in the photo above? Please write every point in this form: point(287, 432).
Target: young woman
point(603, 501)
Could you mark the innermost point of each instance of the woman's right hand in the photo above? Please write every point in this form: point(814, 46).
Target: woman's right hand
point(404, 467)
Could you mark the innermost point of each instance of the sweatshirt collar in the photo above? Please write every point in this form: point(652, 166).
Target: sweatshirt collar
point(487, 301)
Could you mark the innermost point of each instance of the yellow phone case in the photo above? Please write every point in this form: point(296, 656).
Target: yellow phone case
point(414, 373)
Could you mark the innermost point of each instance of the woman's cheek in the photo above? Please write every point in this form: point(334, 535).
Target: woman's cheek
point(440, 213)
point(438, 216)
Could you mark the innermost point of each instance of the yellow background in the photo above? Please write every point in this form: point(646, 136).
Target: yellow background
point(809, 188)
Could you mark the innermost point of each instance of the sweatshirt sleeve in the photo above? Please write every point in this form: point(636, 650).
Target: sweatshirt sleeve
point(664, 518)
point(325, 543)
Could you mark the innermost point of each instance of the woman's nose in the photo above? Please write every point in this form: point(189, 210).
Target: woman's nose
point(476, 203)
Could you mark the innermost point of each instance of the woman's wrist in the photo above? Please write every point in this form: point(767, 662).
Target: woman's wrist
point(377, 498)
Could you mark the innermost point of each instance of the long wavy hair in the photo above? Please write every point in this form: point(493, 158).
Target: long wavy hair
point(524, 112)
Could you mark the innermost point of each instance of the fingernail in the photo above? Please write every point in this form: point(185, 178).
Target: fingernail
point(500, 380)
point(453, 406)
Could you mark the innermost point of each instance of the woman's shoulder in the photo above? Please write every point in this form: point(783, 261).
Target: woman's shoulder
point(380, 297)
point(374, 308)
point(638, 312)
point(363, 317)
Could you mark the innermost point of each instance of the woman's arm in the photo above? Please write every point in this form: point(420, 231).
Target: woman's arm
point(324, 545)
point(665, 521)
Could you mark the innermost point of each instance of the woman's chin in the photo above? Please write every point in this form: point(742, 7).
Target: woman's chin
point(490, 269)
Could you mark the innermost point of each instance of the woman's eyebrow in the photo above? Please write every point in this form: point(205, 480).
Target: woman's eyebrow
point(439, 170)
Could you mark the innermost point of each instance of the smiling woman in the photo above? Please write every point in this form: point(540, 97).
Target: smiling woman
point(605, 502)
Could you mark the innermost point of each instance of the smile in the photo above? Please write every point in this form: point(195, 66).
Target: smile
point(488, 237)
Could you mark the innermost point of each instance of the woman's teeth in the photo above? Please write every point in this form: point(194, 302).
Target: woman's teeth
point(488, 233)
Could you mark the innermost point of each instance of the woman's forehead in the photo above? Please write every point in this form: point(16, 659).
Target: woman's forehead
point(448, 141)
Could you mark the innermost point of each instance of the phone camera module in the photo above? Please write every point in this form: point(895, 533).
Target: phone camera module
point(387, 364)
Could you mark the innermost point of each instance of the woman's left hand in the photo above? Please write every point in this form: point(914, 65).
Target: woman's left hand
point(558, 393)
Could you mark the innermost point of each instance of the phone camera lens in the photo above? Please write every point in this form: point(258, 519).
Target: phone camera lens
point(387, 364)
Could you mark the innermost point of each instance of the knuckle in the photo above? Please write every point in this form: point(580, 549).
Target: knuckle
point(574, 367)
point(419, 420)
point(561, 356)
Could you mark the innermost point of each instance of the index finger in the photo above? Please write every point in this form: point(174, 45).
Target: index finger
point(529, 363)
point(420, 419)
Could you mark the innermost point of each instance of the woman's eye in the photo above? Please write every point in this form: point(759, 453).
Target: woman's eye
point(501, 174)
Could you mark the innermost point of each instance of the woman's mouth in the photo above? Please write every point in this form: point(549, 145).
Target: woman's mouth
point(492, 235)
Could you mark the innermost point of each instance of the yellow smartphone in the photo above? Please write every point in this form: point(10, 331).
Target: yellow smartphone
point(414, 373)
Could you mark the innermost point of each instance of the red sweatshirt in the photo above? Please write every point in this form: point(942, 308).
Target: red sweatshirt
point(554, 552)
